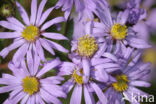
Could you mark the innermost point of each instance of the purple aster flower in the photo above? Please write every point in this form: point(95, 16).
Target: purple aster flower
point(84, 44)
point(27, 85)
point(82, 7)
point(133, 73)
point(76, 81)
point(116, 31)
point(30, 36)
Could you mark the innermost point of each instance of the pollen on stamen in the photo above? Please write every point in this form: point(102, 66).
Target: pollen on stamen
point(30, 85)
point(121, 84)
point(77, 78)
point(87, 46)
point(119, 31)
point(30, 33)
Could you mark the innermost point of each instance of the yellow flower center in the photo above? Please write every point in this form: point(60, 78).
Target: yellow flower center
point(30, 85)
point(119, 31)
point(87, 46)
point(30, 33)
point(121, 84)
point(78, 79)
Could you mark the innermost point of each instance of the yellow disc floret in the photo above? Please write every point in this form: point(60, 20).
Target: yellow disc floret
point(119, 31)
point(78, 78)
point(87, 46)
point(121, 84)
point(30, 33)
point(30, 85)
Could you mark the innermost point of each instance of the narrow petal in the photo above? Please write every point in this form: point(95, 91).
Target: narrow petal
point(76, 95)
point(97, 61)
point(137, 43)
point(30, 60)
point(13, 46)
point(124, 17)
point(52, 22)
point(10, 26)
point(15, 21)
point(110, 56)
point(33, 11)
point(79, 4)
point(67, 13)
point(56, 36)
point(107, 65)
point(9, 81)
point(20, 53)
point(86, 70)
point(24, 100)
point(57, 46)
point(39, 100)
point(54, 91)
point(101, 50)
point(99, 93)
point(7, 102)
point(46, 45)
point(49, 66)
point(40, 10)
point(40, 51)
point(140, 83)
point(49, 98)
point(44, 16)
point(7, 35)
point(89, 99)
point(15, 92)
point(23, 13)
point(24, 68)
point(101, 75)
point(36, 62)
point(68, 85)
point(18, 97)
point(8, 88)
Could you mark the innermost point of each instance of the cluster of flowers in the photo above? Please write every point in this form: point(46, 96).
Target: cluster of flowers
point(105, 55)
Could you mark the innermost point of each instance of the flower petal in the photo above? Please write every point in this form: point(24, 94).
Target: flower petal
point(15, 21)
point(30, 60)
point(57, 46)
point(33, 11)
point(86, 70)
point(40, 10)
point(8, 88)
point(56, 36)
point(89, 99)
point(23, 13)
point(14, 45)
point(10, 26)
point(137, 43)
point(140, 83)
point(49, 98)
point(40, 51)
point(20, 53)
point(24, 100)
point(7, 35)
point(48, 66)
point(76, 95)
point(44, 16)
point(99, 93)
point(52, 22)
point(46, 45)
